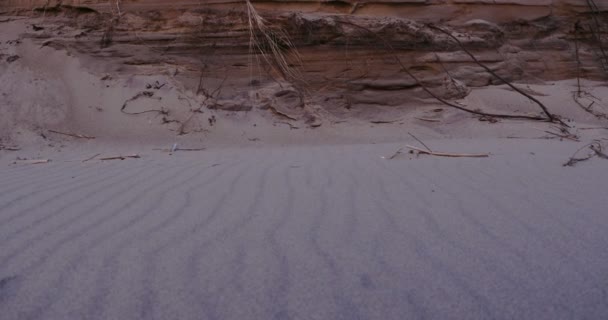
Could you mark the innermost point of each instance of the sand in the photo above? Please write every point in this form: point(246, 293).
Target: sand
point(278, 219)
point(309, 232)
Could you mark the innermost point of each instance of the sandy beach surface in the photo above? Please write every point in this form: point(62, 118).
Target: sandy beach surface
point(309, 232)
point(246, 196)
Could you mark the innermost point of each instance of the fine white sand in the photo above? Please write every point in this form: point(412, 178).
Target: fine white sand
point(309, 232)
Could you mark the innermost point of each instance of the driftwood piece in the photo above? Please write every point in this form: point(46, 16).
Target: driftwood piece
point(450, 155)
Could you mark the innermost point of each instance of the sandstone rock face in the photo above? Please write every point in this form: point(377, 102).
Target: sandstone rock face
point(351, 54)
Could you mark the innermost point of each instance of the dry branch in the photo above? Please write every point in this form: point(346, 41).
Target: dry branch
point(451, 155)
point(549, 115)
point(431, 93)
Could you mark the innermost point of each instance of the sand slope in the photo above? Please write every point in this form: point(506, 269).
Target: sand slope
point(327, 232)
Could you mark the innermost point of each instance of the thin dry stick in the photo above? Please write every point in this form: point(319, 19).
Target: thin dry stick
point(596, 33)
point(74, 135)
point(147, 94)
point(431, 93)
point(397, 153)
point(427, 119)
point(574, 160)
point(422, 143)
point(597, 148)
point(133, 156)
point(37, 161)
point(451, 155)
point(549, 115)
point(576, 96)
point(569, 137)
point(91, 158)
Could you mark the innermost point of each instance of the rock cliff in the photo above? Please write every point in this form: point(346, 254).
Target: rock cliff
point(343, 58)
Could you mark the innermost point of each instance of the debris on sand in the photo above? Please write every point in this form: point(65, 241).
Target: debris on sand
point(132, 156)
point(31, 161)
point(597, 150)
point(443, 154)
point(9, 148)
point(74, 135)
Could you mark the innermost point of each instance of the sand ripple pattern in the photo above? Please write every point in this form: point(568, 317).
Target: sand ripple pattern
point(304, 233)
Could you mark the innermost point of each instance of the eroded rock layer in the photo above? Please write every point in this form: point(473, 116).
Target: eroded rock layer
point(352, 54)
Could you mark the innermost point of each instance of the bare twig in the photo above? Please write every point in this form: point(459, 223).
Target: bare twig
point(451, 155)
point(146, 94)
point(427, 119)
point(395, 155)
point(33, 161)
point(132, 156)
point(595, 146)
point(74, 135)
point(576, 97)
point(91, 158)
point(385, 121)
point(422, 143)
point(563, 136)
point(594, 128)
point(596, 32)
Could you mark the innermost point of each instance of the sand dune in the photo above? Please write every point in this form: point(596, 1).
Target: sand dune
point(323, 232)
